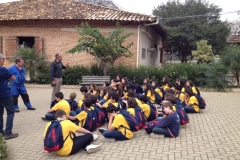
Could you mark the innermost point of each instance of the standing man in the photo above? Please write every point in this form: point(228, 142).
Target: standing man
point(56, 74)
point(6, 101)
point(17, 86)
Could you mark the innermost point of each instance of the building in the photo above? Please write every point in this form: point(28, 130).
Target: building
point(49, 25)
point(234, 39)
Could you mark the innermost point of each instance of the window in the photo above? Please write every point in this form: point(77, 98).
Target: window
point(143, 53)
point(25, 42)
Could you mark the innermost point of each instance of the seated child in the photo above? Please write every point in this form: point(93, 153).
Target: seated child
point(131, 104)
point(191, 102)
point(93, 89)
point(83, 90)
point(149, 92)
point(73, 104)
point(72, 144)
point(145, 107)
point(80, 119)
point(81, 106)
point(178, 94)
point(116, 127)
point(133, 95)
point(61, 105)
point(157, 88)
point(170, 126)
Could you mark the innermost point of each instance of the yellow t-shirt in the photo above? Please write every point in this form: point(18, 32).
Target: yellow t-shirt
point(139, 103)
point(194, 103)
point(174, 108)
point(116, 104)
point(159, 92)
point(82, 116)
point(151, 96)
point(62, 105)
point(105, 105)
point(183, 90)
point(194, 90)
point(95, 92)
point(181, 97)
point(125, 95)
point(105, 97)
point(80, 103)
point(166, 87)
point(67, 127)
point(146, 110)
point(82, 98)
point(131, 110)
point(120, 121)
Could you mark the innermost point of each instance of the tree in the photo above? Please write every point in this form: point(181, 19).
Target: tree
point(33, 60)
point(204, 53)
point(106, 3)
point(231, 58)
point(106, 49)
point(183, 33)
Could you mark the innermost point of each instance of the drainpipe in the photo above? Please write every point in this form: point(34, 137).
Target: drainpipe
point(138, 42)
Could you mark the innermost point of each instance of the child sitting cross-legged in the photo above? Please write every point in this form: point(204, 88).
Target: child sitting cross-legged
point(73, 104)
point(170, 126)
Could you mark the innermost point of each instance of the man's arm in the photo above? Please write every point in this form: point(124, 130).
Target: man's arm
point(66, 66)
point(12, 78)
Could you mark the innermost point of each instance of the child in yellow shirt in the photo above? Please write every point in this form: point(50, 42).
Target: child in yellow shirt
point(178, 94)
point(83, 91)
point(149, 92)
point(191, 102)
point(166, 84)
point(190, 84)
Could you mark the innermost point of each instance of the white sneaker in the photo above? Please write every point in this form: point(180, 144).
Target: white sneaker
point(103, 139)
point(93, 148)
point(156, 136)
point(95, 137)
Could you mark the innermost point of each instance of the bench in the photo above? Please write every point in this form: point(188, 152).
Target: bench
point(98, 80)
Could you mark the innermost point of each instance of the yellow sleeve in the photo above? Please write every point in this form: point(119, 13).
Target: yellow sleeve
point(80, 103)
point(194, 90)
point(125, 95)
point(146, 110)
point(82, 116)
point(181, 97)
point(132, 111)
point(159, 92)
point(56, 106)
point(70, 125)
point(151, 96)
point(82, 98)
point(139, 103)
point(105, 105)
point(183, 90)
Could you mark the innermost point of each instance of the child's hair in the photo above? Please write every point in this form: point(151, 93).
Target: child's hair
point(114, 96)
point(156, 83)
point(111, 108)
point(115, 80)
point(171, 99)
point(93, 98)
point(149, 88)
point(168, 104)
point(131, 93)
point(170, 91)
point(192, 85)
point(167, 82)
point(86, 95)
point(120, 77)
point(83, 89)
point(182, 82)
point(73, 95)
point(93, 85)
point(144, 98)
point(178, 87)
point(119, 89)
point(125, 80)
point(189, 91)
point(60, 114)
point(169, 94)
point(59, 95)
point(128, 86)
point(87, 102)
point(110, 92)
point(106, 89)
point(106, 83)
point(147, 80)
point(131, 102)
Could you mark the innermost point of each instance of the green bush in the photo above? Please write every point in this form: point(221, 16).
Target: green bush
point(3, 148)
point(203, 75)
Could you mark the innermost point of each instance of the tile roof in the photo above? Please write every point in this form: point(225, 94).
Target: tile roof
point(66, 9)
point(234, 39)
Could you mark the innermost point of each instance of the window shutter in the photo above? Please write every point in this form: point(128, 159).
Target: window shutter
point(1, 45)
point(162, 55)
point(38, 44)
point(11, 46)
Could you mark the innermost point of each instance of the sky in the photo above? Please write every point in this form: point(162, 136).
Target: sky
point(146, 6)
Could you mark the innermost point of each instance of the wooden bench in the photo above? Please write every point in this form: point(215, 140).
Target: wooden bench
point(98, 80)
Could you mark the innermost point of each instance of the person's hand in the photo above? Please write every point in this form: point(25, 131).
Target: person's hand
point(67, 64)
point(124, 101)
point(54, 82)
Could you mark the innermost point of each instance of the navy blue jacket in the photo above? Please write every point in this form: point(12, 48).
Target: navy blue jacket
point(56, 69)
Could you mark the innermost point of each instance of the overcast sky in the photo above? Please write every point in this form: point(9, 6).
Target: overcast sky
point(146, 6)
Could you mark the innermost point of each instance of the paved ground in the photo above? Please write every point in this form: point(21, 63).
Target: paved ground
point(213, 134)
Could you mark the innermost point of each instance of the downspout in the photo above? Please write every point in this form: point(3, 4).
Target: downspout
point(138, 42)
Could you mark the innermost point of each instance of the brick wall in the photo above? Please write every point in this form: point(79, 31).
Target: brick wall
point(55, 40)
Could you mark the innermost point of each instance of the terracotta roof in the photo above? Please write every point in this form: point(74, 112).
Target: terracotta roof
point(66, 9)
point(234, 39)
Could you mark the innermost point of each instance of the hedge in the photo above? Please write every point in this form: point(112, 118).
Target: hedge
point(3, 148)
point(203, 75)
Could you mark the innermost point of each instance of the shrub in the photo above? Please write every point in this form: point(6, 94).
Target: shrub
point(3, 148)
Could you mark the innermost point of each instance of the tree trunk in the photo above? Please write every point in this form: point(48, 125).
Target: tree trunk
point(237, 76)
point(105, 68)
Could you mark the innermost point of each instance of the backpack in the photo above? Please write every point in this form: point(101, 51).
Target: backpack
point(163, 92)
point(91, 120)
point(182, 114)
point(158, 98)
point(100, 116)
point(153, 112)
point(139, 89)
point(123, 105)
point(140, 116)
point(150, 125)
point(132, 86)
point(131, 120)
point(53, 140)
point(201, 102)
point(73, 104)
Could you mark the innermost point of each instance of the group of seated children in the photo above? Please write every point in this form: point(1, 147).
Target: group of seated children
point(127, 107)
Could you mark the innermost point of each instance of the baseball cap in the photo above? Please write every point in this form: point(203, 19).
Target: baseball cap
point(2, 56)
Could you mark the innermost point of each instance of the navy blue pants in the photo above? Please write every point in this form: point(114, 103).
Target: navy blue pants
point(20, 90)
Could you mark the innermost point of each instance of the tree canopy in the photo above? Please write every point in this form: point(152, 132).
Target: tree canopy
point(106, 49)
point(183, 33)
point(204, 53)
point(106, 3)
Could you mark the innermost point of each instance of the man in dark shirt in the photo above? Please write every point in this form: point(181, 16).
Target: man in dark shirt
point(56, 74)
point(6, 101)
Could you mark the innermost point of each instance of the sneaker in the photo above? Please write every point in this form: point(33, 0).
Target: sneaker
point(101, 130)
point(156, 136)
point(103, 139)
point(43, 118)
point(13, 135)
point(93, 148)
point(17, 110)
point(95, 137)
point(31, 108)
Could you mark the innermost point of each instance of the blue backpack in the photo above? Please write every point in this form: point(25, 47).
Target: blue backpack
point(140, 116)
point(100, 116)
point(139, 89)
point(182, 114)
point(150, 125)
point(153, 112)
point(131, 120)
point(53, 140)
point(163, 92)
point(201, 102)
point(91, 120)
point(73, 104)
point(158, 98)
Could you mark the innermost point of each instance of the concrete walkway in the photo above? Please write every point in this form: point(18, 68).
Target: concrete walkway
point(213, 134)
